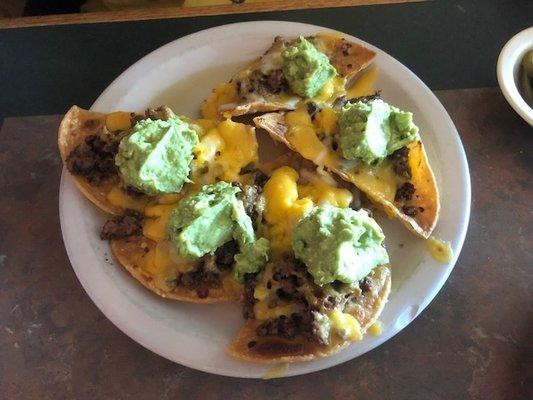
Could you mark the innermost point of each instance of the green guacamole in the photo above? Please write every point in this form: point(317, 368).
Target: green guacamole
point(252, 258)
point(372, 131)
point(155, 157)
point(339, 244)
point(305, 68)
point(202, 223)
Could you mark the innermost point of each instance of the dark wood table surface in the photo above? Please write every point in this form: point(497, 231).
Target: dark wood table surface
point(473, 341)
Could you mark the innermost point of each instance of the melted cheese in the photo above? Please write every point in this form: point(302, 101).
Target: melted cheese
point(376, 328)
point(439, 250)
point(118, 198)
point(321, 192)
point(240, 148)
point(206, 124)
point(118, 121)
point(364, 85)
point(283, 209)
point(302, 136)
point(277, 371)
point(163, 263)
point(262, 309)
point(326, 122)
point(379, 182)
point(333, 88)
point(226, 149)
point(154, 227)
point(286, 202)
point(345, 326)
point(223, 94)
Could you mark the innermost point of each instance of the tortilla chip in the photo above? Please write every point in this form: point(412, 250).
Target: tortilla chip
point(348, 58)
point(270, 350)
point(130, 253)
point(422, 178)
point(76, 125)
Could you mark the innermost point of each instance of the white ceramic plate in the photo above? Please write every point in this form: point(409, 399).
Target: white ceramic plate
point(181, 74)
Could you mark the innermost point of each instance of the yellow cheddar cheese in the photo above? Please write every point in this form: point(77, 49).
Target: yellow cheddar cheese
point(321, 192)
point(364, 85)
point(333, 88)
point(223, 94)
point(240, 148)
point(118, 198)
point(118, 121)
point(345, 325)
point(226, 149)
point(283, 208)
point(379, 182)
point(154, 226)
point(302, 136)
point(326, 122)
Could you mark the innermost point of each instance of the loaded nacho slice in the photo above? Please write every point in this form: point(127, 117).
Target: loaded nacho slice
point(123, 160)
point(315, 67)
point(197, 249)
point(326, 279)
point(369, 143)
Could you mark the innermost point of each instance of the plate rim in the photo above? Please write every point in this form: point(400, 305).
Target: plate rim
point(460, 235)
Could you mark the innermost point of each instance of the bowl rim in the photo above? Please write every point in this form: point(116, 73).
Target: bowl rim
point(510, 55)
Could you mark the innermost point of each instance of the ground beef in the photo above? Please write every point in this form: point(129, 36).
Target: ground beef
point(200, 280)
point(249, 299)
point(367, 99)
point(162, 112)
point(404, 192)
point(260, 178)
point(412, 211)
point(121, 226)
point(94, 159)
point(275, 81)
point(262, 84)
point(312, 109)
point(365, 285)
point(224, 255)
point(400, 162)
point(310, 324)
point(134, 118)
point(133, 191)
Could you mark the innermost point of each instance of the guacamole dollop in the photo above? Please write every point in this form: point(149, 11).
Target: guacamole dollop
point(370, 131)
point(251, 258)
point(339, 244)
point(155, 157)
point(305, 68)
point(203, 222)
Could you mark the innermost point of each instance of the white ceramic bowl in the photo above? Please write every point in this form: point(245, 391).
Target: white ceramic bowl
point(508, 68)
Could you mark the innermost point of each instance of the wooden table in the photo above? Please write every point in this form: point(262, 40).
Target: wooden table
point(473, 341)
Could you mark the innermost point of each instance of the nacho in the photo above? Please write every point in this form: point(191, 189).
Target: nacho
point(148, 261)
point(76, 127)
point(365, 307)
point(262, 86)
point(383, 184)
